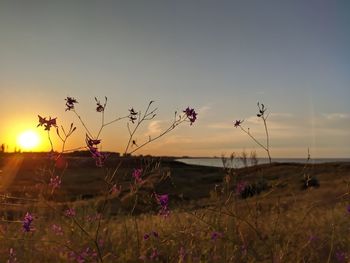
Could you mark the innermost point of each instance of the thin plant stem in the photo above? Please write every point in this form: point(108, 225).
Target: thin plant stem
point(82, 122)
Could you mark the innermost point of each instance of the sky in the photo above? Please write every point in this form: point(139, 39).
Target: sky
point(218, 57)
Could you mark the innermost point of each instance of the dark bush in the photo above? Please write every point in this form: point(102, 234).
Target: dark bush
point(310, 182)
point(255, 188)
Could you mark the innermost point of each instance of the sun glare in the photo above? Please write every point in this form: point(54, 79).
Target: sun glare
point(28, 140)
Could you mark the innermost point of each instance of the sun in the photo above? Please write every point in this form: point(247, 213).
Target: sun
point(28, 140)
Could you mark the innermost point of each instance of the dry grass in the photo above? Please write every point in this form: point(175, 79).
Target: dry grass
point(282, 224)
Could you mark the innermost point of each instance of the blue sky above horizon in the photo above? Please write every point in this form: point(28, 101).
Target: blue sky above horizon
point(219, 57)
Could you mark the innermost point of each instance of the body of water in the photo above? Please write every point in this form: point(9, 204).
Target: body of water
point(217, 162)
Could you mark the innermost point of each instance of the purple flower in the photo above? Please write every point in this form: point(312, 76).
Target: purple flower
point(55, 182)
point(313, 238)
point(87, 255)
point(182, 254)
point(99, 157)
point(148, 235)
point(154, 255)
point(70, 212)
point(348, 208)
point(57, 230)
point(47, 123)
point(115, 190)
point(237, 123)
point(93, 218)
point(340, 256)
point(163, 200)
point(137, 173)
point(244, 250)
point(70, 103)
point(191, 115)
point(92, 142)
point(240, 187)
point(216, 235)
point(27, 221)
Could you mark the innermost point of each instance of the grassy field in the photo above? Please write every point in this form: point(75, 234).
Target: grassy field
point(208, 218)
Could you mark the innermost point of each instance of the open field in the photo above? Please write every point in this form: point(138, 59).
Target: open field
point(208, 220)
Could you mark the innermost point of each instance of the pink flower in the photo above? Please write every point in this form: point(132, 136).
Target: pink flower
point(55, 182)
point(137, 173)
point(70, 212)
point(115, 190)
point(57, 230)
point(240, 187)
point(27, 221)
point(163, 200)
point(96, 154)
point(216, 235)
point(154, 255)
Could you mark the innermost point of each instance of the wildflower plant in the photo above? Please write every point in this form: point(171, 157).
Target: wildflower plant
point(92, 227)
point(263, 116)
point(232, 228)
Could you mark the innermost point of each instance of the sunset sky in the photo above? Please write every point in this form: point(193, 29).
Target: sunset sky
point(219, 57)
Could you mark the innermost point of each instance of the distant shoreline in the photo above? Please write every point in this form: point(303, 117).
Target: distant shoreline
point(238, 163)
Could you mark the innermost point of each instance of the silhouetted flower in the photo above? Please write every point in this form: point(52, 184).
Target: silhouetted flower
point(136, 174)
point(190, 114)
point(100, 107)
point(27, 221)
point(99, 157)
point(70, 103)
point(92, 142)
point(238, 123)
point(47, 123)
point(262, 110)
point(132, 115)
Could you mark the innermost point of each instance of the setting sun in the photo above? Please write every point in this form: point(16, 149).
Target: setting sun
point(28, 140)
